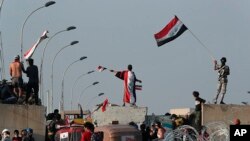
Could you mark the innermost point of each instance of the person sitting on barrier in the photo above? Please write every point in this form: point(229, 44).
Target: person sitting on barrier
point(6, 95)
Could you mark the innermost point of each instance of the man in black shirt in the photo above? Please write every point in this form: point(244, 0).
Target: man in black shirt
point(32, 74)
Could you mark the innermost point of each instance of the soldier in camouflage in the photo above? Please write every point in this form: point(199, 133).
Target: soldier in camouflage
point(223, 72)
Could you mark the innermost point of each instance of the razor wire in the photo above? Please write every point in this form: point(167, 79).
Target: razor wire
point(218, 131)
point(213, 131)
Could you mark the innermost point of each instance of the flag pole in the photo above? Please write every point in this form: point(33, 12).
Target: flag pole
point(208, 50)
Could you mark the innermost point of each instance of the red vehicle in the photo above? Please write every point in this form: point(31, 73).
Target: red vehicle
point(105, 133)
point(69, 133)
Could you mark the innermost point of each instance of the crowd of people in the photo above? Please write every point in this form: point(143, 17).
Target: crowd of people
point(17, 91)
point(26, 135)
point(155, 132)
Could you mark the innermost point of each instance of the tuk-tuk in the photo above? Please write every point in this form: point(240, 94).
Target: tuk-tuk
point(116, 132)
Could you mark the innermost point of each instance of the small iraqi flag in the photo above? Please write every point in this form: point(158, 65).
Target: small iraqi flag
point(138, 87)
point(101, 68)
point(104, 105)
point(170, 32)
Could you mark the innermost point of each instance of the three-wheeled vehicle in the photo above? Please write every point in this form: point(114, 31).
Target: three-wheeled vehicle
point(117, 132)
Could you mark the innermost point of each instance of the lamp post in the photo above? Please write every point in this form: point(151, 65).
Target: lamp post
point(245, 103)
point(62, 95)
point(46, 5)
point(74, 85)
point(52, 65)
point(93, 98)
point(41, 65)
point(85, 90)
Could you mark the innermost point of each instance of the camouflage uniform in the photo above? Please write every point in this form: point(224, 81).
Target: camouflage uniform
point(223, 72)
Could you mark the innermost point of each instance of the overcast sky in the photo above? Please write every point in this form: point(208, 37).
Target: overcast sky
point(115, 33)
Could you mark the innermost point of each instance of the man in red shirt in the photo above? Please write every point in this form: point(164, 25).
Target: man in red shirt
point(88, 131)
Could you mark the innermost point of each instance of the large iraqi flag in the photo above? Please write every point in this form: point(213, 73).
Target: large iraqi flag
point(30, 52)
point(170, 32)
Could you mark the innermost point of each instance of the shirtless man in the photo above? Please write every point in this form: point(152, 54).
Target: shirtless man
point(16, 75)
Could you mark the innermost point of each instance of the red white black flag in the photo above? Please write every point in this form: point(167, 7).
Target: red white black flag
point(30, 52)
point(101, 68)
point(170, 32)
point(138, 87)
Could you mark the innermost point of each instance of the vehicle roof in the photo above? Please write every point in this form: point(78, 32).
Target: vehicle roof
point(116, 130)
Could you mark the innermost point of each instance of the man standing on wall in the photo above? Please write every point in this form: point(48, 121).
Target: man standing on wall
point(16, 76)
point(32, 74)
point(223, 72)
point(129, 79)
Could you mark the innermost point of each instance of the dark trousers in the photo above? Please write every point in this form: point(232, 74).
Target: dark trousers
point(35, 88)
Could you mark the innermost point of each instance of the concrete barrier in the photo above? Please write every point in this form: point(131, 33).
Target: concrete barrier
point(226, 113)
point(123, 115)
point(23, 116)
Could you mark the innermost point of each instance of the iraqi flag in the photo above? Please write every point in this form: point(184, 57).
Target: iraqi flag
point(101, 68)
point(171, 31)
point(104, 105)
point(138, 87)
point(30, 52)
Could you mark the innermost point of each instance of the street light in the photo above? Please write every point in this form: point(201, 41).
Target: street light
point(46, 5)
point(245, 103)
point(85, 90)
point(41, 67)
point(74, 85)
point(93, 98)
point(62, 96)
point(52, 65)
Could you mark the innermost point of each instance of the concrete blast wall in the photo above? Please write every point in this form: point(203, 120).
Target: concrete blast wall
point(225, 113)
point(123, 115)
point(23, 116)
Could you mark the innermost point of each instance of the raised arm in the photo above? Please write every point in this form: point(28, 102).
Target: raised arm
point(215, 65)
point(113, 71)
point(22, 66)
point(137, 80)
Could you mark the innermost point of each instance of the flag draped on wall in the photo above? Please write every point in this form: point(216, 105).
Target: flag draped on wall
point(170, 32)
